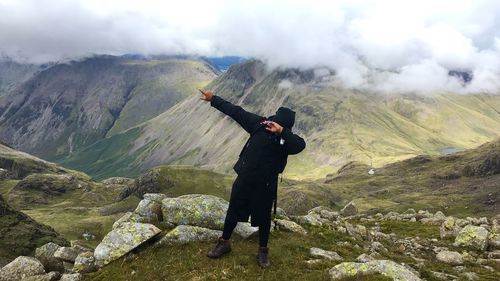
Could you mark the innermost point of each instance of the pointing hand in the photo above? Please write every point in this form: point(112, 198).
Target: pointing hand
point(206, 95)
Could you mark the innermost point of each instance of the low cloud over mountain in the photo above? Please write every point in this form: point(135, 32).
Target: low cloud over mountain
point(384, 45)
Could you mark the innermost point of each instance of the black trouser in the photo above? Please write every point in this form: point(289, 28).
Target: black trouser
point(264, 231)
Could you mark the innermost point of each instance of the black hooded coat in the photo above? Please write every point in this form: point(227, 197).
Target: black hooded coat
point(262, 158)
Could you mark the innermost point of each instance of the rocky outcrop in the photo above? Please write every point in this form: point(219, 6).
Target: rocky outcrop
point(45, 254)
point(21, 267)
point(122, 240)
point(349, 210)
point(450, 257)
point(324, 254)
point(195, 209)
point(286, 225)
point(385, 267)
point(184, 234)
point(473, 236)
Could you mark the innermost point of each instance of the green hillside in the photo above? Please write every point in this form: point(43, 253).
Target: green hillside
point(339, 126)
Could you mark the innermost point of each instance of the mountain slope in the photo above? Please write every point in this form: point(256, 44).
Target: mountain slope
point(339, 126)
point(68, 106)
point(13, 74)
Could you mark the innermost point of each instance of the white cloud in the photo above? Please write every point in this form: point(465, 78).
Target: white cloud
point(381, 44)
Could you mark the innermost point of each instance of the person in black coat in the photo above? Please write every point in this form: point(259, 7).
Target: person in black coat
point(262, 158)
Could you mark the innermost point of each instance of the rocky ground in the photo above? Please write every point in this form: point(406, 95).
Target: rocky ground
point(166, 238)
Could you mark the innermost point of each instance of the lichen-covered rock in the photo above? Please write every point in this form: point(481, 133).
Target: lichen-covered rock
point(433, 220)
point(45, 254)
point(329, 255)
point(157, 197)
point(449, 228)
point(85, 263)
point(195, 209)
point(150, 210)
point(494, 237)
point(311, 219)
point(118, 180)
point(324, 213)
point(473, 236)
point(184, 234)
point(69, 254)
point(450, 257)
point(122, 240)
point(349, 210)
point(385, 267)
point(286, 225)
point(21, 267)
point(71, 277)
point(51, 276)
point(129, 217)
point(245, 230)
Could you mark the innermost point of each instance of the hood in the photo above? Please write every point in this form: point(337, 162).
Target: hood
point(285, 117)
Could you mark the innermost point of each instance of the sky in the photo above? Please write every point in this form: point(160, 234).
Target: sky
point(386, 45)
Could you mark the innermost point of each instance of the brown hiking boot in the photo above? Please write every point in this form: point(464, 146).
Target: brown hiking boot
point(263, 258)
point(222, 247)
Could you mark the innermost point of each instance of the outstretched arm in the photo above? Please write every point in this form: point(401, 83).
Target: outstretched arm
point(246, 119)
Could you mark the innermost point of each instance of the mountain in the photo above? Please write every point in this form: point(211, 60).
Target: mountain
point(71, 105)
point(339, 126)
point(12, 74)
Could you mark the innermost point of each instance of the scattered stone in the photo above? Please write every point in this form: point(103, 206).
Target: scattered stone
point(286, 225)
point(377, 247)
point(365, 258)
point(473, 236)
point(246, 230)
point(470, 276)
point(313, 261)
point(195, 209)
point(85, 263)
point(184, 234)
point(71, 277)
point(51, 276)
point(122, 240)
point(68, 254)
point(21, 267)
point(450, 257)
point(444, 276)
point(449, 229)
point(357, 231)
point(45, 254)
point(385, 267)
point(320, 253)
point(311, 219)
point(349, 210)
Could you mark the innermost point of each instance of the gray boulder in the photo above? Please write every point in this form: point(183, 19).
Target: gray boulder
point(245, 230)
point(69, 254)
point(45, 254)
point(184, 234)
point(450, 257)
point(21, 267)
point(311, 219)
point(195, 209)
point(449, 228)
point(51, 276)
point(473, 236)
point(85, 263)
point(385, 267)
point(286, 225)
point(324, 254)
point(122, 240)
point(349, 210)
point(356, 230)
point(71, 277)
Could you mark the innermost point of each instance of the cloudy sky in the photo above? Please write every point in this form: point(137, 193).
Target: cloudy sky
point(378, 44)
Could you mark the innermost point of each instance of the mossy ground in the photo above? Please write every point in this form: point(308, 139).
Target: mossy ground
point(288, 252)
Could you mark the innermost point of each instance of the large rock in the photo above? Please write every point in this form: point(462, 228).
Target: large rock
point(71, 277)
point(473, 236)
point(385, 267)
point(195, 209)
point(69, 254)
point(349, 210)
point(324, 254)
point(450, 257)
point(45, 254)
point(122, 240)
point(184, 234)
point(51, 276)
point(85, 263)
point(291, 226)
point(129, 217)
point(150, 210)
point(357, 231)
point(310, 218)
point(21, 267)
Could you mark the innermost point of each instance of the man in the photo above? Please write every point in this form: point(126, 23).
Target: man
point(262, 158)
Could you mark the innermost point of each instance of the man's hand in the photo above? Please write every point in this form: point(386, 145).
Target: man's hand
point(206, 95)
point(273, 127)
